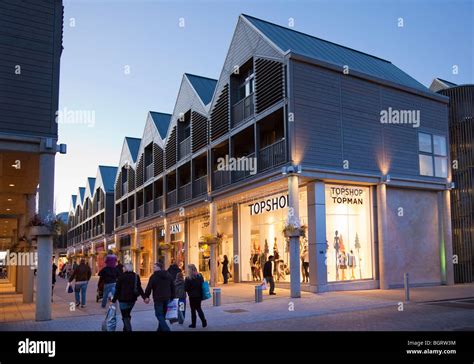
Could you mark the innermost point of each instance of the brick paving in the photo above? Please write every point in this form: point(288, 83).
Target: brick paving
point(358, 310)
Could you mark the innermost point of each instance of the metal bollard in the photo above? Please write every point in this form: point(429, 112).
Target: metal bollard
point(216, 297)
point(258, 293)
point(407, 286)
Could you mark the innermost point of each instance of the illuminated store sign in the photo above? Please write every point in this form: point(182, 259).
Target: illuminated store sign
point(268, 205)
point(347, 195)
point(175, 228)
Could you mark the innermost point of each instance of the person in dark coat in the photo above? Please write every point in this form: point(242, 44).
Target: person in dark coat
point(173, 269)
point(268, 274)
point(55, 268)
point(193, 287)
point(82, 275)
point(180, 294)
point(162, 285)
point(109, 276)
point(225, 269)
point(120, 267)
point(127, 290)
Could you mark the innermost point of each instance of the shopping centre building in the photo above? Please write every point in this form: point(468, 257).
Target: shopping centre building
point(345, 141)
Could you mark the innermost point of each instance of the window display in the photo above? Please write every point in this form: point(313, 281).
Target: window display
point(262, 223)
point(348, 233)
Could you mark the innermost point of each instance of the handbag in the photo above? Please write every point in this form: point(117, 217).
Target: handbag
point(172, 310)
point(206, 290)
point(110, 321)
point(264, 284)
point(69, 288)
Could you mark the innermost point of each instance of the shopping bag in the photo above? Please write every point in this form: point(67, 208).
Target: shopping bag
point(110, 322)
point(69, 288)
point(264, 284)
point(172, 310)
point(206, 291)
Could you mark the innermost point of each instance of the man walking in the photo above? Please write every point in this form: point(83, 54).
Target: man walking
point(82, 275)
point(268, 274)
point(162, 285)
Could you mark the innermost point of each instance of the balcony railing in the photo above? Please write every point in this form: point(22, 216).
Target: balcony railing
point(140, 212)
point(131, 216)
point(171, 198)
point(200, 186)
point(125, 218)
point(272, 155)
point(149, 172)
point(158, 204)
point(242, 110)
point(185, 147)
point(184, 192)
point(149, 208)
point(220, 179)
point(246, 172)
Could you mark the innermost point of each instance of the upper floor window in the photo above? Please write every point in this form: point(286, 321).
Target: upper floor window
point(433, 155)
point(246, 88)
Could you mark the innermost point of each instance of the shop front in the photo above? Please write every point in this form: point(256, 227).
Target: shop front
point(100, 254)
point(125, 253)
point(261, 228)
point(145, 253)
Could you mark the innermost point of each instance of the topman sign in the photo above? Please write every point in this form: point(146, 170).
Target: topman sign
point(268, 205)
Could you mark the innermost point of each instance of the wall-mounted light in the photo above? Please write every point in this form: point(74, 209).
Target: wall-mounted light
point(291, 169)
point(386, 178)
point(450, 185)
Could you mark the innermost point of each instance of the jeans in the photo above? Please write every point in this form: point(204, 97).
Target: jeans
point(272, 283)
point(226, 277)
point(109, 288)
point(195, 304)
point(160, 313)
point(80, 289)
point(126, 310)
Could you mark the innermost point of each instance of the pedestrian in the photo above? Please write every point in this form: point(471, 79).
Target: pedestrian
point(162, 286)
point(305, 261)
point(181, 296)
point(268, 274)
point(225, 269)
point(82, 275)
point(55, 268)
point(69, 270)
point(193, 287)
point(120, 267)
point(173, 269)
point(109, 275)
point(127, 290)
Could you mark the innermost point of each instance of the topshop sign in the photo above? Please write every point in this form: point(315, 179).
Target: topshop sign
point(268, 205)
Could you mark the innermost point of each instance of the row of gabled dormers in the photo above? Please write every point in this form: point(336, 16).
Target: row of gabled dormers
point(88, 207)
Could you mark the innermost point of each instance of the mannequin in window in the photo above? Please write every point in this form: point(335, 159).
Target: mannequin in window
point(342, 258)
point(276, 259)
point(351, 263)
point(336, 249)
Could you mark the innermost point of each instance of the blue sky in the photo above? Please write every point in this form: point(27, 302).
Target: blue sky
point(110, 35)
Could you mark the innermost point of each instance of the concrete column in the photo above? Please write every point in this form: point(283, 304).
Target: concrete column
point(45, 243)
point(295, 266)
point(317, 248)
point(446, 243)
point(136, 254)
point(187, 242)
point(382, 233)
point(213, 231)
point(236, 237)
point(154, 247)
point(20, 270)
point(29, 277)
point(167, 253)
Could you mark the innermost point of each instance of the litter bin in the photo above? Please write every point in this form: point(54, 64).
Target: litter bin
point(216, 297)
point(258, 293)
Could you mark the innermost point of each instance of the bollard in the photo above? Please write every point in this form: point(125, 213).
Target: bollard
point(407, 287)
point(216, 297)
point(258, 293)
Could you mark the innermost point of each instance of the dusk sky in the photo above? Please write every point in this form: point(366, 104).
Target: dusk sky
point(103, 39)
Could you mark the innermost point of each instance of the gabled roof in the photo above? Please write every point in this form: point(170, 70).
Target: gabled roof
point(133, 146)
point(439, 84)
point(107, 175)
point(162, 122)
point(203, 86)
point(73, 202)
point(82, 191)
point(289, 40)
point(91, 183)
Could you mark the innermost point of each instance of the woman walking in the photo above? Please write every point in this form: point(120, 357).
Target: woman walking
point(127, 290)
point(181, 296)
point(225, 269)
point(193, 287)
